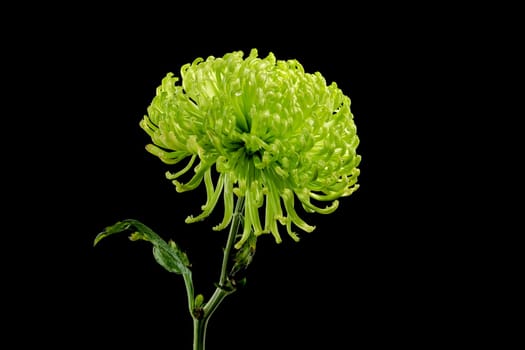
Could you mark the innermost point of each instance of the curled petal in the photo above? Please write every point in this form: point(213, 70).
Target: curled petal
point(184, 170)
point(292, 216)
point(212, 197)
point(228, 202)
point(166, 157)
point(195, 181)
point(273, 212)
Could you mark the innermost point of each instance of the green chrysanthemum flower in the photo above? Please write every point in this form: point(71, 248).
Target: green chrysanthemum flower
point(271, 132)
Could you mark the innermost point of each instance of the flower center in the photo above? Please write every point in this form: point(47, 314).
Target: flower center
point(252, 143)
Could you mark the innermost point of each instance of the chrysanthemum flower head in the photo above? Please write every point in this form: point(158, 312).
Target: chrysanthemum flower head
point(258, 128)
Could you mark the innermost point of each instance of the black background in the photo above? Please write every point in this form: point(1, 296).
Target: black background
point(385, 268)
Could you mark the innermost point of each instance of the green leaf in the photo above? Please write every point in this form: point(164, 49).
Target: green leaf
point(199, 299)
point(168, 255)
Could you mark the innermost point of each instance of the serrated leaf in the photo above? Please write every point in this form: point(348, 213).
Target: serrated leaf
point(168, 255)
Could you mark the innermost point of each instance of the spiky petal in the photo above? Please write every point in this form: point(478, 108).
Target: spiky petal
point(273, 134)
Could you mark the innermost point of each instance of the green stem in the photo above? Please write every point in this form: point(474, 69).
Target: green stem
point(224, 287)
point(199, 333)
point(188, 283)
